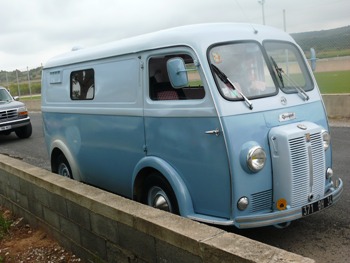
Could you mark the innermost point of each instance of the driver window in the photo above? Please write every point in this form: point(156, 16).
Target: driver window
point(160, 87)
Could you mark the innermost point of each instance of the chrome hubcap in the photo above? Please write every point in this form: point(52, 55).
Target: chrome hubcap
point(157, 198)
point(63, 170)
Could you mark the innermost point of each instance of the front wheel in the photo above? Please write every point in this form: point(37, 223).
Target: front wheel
point(24, 132)
point(159, 194)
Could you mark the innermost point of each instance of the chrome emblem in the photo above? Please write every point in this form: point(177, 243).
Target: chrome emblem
point(308, 137)
point(287, 116)
point(302, 127)
point(283, 101)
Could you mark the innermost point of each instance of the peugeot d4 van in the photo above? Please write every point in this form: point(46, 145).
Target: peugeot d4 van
point(220, 123)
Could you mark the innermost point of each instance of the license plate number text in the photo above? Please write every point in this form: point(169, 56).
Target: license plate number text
point(317, 206)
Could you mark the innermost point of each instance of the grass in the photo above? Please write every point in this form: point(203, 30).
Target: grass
point(329, 53)
point(23, 88)
point(33, 97)
point(333, 82)
point(4, 226)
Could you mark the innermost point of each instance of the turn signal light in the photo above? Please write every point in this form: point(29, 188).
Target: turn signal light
point(281, 204)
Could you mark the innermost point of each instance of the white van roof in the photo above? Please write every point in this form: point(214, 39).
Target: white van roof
point(199, 36)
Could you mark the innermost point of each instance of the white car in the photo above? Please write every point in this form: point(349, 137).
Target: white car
point(13, 116)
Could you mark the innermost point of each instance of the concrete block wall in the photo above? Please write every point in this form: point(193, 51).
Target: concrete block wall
point(337, 105)
point(102, 227)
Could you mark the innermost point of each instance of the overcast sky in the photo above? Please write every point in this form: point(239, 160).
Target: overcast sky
point(32, 31)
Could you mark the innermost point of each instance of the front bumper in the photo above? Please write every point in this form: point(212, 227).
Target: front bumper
point(11, 125)
point(279, 217)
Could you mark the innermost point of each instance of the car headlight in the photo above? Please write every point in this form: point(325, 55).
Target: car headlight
point(22, 112)
point(256, 158)
point(326, 138)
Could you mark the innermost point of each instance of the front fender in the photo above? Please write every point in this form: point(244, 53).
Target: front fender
point(178, 185)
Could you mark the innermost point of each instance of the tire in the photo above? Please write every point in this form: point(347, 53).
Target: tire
point(24, 132)
point(159, 194)
point(63, 167)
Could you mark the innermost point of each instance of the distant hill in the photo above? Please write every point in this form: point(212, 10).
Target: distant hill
point(337, 39)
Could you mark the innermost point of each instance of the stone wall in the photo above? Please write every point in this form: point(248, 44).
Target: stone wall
point(99, 226)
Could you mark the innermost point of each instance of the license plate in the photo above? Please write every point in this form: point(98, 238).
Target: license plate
point(317, 206)
point(4, 128)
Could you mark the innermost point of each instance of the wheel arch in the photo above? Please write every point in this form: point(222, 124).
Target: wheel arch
point(59, 147)
point(149, 165)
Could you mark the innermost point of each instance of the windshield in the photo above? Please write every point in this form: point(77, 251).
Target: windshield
point(246, 69)
point(289, 66)
point(5, 96)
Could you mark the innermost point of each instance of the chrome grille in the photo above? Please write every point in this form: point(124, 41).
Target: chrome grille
point(319, 164)
point(261, 201)
point(300, 170)
point(308, 170)
point(298, 163)
point(8, 115)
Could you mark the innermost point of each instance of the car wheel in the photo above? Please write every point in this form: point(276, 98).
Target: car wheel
point(63, 167)
point(159, 194)
point(24, 132)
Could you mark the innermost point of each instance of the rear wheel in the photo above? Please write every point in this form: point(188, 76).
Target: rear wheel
point(63, 167)
point(159, 194)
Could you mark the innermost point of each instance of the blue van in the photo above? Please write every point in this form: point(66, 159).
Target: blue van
point(220, 123)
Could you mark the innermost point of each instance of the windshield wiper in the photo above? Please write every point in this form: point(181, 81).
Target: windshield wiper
point(226, 80)
point(278, 71)
point(302, 94)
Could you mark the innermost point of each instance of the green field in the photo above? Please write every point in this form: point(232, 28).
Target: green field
point(333, 82)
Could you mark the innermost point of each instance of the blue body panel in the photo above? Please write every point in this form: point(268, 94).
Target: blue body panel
point(199, 158)
point(106, 148)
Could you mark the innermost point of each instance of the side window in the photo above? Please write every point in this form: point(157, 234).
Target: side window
point(160, 87)
point(82, 84)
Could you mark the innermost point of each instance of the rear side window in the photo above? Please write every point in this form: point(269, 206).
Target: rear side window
point(82, 84)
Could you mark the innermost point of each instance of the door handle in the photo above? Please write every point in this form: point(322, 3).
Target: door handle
point(216, 132)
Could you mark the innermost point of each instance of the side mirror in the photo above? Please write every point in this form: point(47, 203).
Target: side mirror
point(313, 59)
point(16, 98)
point(177, 72)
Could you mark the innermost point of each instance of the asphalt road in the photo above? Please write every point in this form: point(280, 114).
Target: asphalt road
point(324, 236)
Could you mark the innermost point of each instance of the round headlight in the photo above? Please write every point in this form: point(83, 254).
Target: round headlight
point(256, 159)
point(326, 138)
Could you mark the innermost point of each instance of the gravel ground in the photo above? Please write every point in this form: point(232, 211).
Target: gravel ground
point(23, 244)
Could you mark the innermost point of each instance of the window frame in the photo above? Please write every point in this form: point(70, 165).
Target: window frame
point(166, 56)
point(91, 86)
point(302, 65)
point(265, 60)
